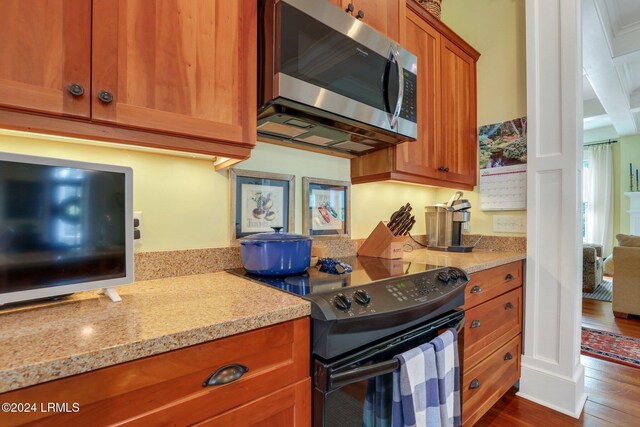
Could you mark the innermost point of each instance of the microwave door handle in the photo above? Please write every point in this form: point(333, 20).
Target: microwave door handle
point(396, 113)
point(362, 373)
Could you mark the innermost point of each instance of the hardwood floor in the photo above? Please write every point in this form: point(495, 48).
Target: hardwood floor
point(613, 389)
point(598, 315)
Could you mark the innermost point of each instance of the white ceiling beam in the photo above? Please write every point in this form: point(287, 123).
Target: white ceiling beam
point(601, 71)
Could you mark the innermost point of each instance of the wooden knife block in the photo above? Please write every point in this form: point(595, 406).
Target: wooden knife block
point(381, 243)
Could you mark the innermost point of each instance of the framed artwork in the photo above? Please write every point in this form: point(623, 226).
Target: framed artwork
point(260, 201)
point(326, 208)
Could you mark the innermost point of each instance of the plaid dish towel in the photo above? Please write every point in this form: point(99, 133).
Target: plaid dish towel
point(426, 387)
point(416, 400)
point(447, 365)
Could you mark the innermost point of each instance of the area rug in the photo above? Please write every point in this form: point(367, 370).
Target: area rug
point(610, 346)
point(602, 292)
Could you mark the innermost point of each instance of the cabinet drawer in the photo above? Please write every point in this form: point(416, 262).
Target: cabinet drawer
point(169, 386)
point(488, 284)
point(490, 325)
point(483, 385)
point(290, 406)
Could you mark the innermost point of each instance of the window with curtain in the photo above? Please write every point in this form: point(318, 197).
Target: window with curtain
point(597, 197)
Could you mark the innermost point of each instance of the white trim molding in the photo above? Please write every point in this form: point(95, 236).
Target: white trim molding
point(551, 371)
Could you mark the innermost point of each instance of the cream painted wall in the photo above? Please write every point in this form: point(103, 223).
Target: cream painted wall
point(185, 202)
point(496, 28)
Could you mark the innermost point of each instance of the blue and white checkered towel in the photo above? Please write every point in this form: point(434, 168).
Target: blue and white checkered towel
point(377, 402)
point(447, 365)
point(426, 387)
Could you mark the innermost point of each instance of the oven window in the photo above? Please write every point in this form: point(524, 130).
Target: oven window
point(365, 403)
point(315, 53)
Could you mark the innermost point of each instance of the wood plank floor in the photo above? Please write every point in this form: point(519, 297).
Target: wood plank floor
point(613, 389)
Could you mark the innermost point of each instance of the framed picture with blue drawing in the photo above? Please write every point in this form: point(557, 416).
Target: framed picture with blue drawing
point(260, 201)
point(326, 208)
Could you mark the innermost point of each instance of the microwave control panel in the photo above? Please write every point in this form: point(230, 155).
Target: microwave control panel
point(409, 109)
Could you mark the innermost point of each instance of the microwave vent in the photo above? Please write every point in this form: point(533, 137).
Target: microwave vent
point(281, 129)
point(316, 140)
point(352, 146)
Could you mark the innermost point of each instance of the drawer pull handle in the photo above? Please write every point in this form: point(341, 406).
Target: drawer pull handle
point(225, 375)
point(508, 306)
point(476, 289)
point(508, 356)
point(509, 277)
point(475, 324)
point(474, 384)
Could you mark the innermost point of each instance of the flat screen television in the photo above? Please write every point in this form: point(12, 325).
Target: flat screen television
point(65, 227)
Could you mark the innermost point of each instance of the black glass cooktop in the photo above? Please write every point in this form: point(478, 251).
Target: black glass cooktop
point(365, 270)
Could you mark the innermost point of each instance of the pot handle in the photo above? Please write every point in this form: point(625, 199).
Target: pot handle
point(277, 229)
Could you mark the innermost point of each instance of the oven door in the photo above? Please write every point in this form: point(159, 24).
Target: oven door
point(346, 68)
point(357, 390)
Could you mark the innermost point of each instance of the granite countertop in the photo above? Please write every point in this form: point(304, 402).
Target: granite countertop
point(471, 262)
point(85, 332)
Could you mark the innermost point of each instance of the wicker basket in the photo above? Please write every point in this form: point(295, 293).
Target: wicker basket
point(432, 6)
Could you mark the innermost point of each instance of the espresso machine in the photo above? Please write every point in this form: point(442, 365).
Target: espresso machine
point(444, 224)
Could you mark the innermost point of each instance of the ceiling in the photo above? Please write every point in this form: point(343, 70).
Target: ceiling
point(611, 65)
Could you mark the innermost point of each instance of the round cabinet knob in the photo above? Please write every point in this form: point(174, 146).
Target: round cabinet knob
point(75, 89)
point(443, 276)
point(454, 274)
point(360, 15)
point(105, 96)
point(350, 8)
point(362, 297)
point(443, 169)
point(342, 302)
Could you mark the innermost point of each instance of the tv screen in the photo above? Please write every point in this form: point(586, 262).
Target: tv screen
point(64, 226)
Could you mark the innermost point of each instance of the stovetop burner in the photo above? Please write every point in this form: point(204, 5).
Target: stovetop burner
point(365, 270)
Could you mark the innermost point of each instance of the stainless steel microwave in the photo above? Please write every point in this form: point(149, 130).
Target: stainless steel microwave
point(328, 80)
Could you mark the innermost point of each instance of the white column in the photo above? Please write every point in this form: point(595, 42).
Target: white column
point(551, 371)
point(634, 212)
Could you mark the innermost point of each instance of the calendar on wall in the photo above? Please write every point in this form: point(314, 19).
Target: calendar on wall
point(503, 165)
point(503, 188)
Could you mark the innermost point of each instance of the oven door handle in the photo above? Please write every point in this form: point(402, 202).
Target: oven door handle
point(370, 371)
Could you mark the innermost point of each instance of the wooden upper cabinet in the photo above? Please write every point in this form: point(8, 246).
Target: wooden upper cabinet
point(184, 66)
point(457, 150)
point(383, 15)
point(419, 157)
point(45, 46)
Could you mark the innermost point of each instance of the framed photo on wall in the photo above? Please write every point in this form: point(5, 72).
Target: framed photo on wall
point(260, 201)
point(326, 208)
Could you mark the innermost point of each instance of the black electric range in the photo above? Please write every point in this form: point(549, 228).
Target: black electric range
point(378, 299)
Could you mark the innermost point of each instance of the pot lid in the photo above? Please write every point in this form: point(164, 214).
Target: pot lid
point(276, 236)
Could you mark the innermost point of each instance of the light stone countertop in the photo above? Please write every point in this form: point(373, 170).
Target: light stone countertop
point(84, 332)
point(470, 262)
point(48, 341)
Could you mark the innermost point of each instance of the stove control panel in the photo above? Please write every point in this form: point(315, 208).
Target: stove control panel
point(393, 294)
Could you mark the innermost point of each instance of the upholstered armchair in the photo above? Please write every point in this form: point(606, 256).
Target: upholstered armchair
point(626, 281)
point(591, 267)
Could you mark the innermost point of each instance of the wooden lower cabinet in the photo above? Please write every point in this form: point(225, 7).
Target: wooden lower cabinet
point(167, 389)
point(290, 406)
point(492, 338)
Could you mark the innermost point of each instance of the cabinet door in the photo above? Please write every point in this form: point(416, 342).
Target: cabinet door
point(287, 407)
point(382, 15)
point(46, 47)
point(182, 66)
point(457, 149)
point(419, 157)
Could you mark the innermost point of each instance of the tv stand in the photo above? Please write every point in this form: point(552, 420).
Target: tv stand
point(111, 293)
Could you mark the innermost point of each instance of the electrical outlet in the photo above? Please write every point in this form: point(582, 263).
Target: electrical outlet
point(510, 223)
point(137, 215)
